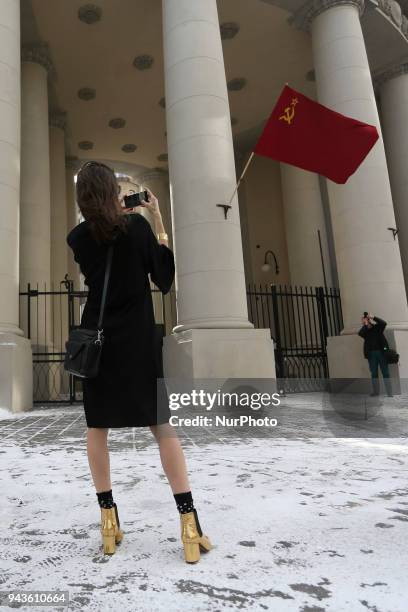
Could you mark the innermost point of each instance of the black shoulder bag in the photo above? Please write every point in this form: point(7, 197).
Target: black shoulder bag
point(391, 356)
point(84, 346)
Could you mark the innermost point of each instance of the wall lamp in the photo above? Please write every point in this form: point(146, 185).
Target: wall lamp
point(266, 266)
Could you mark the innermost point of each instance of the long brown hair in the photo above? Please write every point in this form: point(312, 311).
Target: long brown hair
point(97, 192)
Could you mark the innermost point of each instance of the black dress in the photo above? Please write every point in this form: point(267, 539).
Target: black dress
point(126, 392)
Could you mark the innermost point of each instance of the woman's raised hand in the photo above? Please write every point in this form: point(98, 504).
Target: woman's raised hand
point(152, 205)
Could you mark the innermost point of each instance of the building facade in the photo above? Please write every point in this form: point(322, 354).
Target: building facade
point(174, 95)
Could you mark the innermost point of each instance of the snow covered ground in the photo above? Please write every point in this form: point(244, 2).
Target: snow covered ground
point(308, 525)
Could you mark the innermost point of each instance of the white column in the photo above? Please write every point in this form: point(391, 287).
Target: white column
point(58, 244)
point(304, 217)
point(35, 260)
point(368, 258)
point(59, 223)
point(210, 283)
point(210, 269)
point(393, 86)
point(72, 217)
point(35, 170)
point(9, 166)
point(15, 350)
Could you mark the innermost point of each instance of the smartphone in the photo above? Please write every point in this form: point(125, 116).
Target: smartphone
point(134, 199)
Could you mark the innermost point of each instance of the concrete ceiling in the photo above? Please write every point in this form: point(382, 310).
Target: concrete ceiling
point(266, 52)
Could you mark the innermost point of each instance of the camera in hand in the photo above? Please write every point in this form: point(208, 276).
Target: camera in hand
point(134, 199)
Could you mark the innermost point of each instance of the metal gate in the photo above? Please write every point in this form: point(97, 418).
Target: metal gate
point(300, 320)
point(47, 315)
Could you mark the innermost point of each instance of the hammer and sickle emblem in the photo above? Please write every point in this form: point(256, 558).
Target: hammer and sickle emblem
point(289, 113)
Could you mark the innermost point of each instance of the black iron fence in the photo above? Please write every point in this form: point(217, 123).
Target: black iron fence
point(300, 320)
point(47, 315)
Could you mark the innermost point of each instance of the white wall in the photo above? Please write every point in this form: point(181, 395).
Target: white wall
point(260, 192)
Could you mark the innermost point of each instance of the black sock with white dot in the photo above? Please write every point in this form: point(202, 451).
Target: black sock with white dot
point(105, 499)
point(184, 502)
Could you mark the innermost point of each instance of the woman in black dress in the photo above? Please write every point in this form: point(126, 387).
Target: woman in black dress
point(129, 390)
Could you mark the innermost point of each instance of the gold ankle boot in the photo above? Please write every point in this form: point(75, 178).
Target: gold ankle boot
point(192, 537)
point(111, 532)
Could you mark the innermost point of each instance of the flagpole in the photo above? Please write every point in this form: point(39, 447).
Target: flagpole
point(243, 172)
point(242, 176)
point(321, 257)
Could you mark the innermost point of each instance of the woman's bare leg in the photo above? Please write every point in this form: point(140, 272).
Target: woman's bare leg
point(98, 458)
point(172, 457)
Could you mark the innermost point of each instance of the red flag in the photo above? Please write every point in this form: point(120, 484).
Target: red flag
point(304, 133)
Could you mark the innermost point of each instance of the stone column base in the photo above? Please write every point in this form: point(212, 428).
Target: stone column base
point(219, 353)
point(16, 373)
point(349, 370)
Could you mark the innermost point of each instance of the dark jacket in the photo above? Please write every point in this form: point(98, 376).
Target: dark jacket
point(374, 339)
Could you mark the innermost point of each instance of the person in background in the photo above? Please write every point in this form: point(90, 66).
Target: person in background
point(374, 345)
